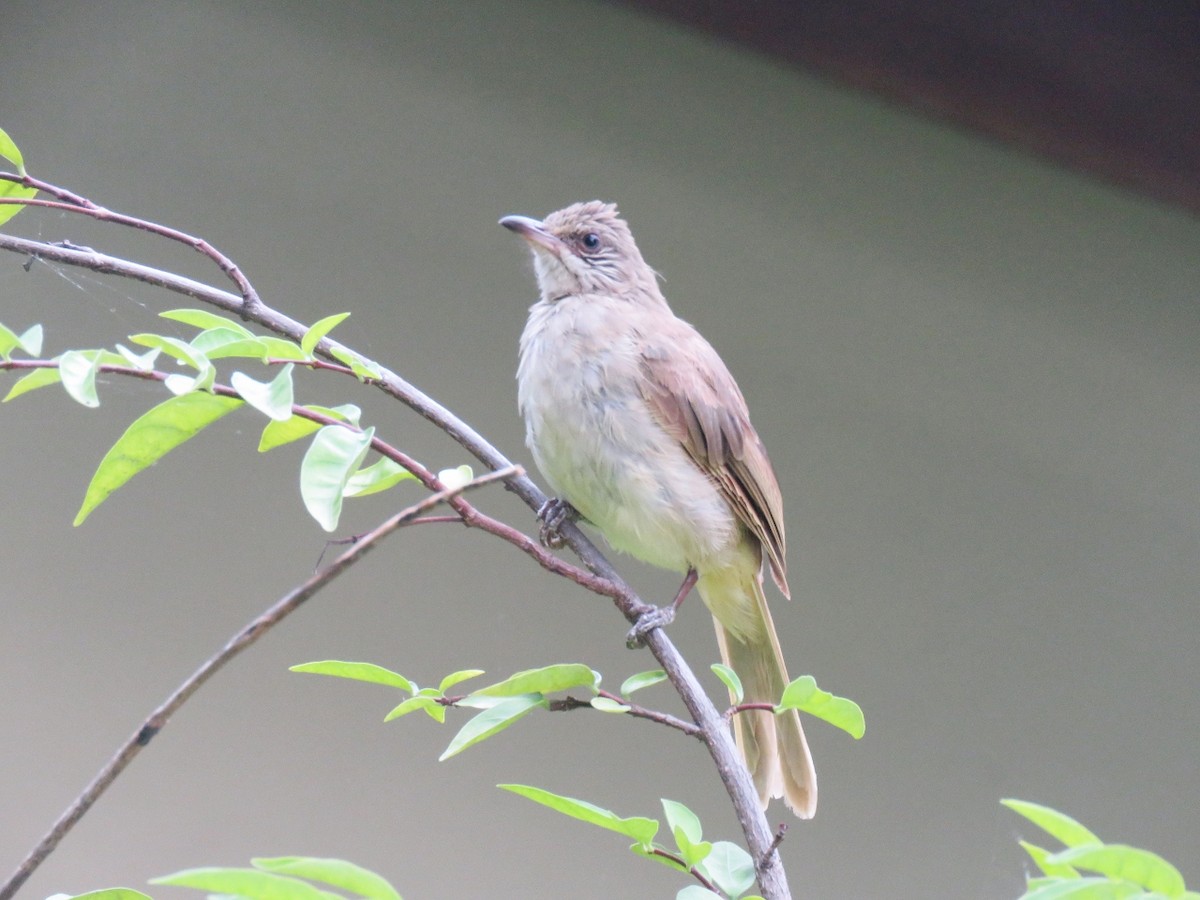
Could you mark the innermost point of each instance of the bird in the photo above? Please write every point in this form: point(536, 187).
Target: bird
point(640, 430)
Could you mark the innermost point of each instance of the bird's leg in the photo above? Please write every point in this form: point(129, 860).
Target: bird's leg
point(553, 513)
point(660, 616)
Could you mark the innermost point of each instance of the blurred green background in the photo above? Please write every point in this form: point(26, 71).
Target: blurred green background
point(976, 375)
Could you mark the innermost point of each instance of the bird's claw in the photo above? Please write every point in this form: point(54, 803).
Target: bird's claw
point(553, 513)
point(653, 617)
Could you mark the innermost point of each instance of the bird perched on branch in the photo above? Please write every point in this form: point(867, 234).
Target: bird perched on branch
point(637, 424)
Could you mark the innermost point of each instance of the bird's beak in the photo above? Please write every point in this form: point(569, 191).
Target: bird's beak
point(533, 231)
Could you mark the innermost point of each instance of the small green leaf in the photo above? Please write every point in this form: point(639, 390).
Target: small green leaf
point(205, 320)
point(9, 151)
point(685, 827)
point(1041, 859)
point(181, 384)
point(30, 341)
point(143, 362)
point(730, 679)
point(16, 191)
point(492, 721)
point(804, 695)
point(313, 336)
point(605, 704)
point(336, 452)
point(1054, 823)
point(220, 343)
point(1117, 861)
point(335, 872)
point(679, 816)
point(638, 828)
point(429, 705)
point(456, 677)
point(695, 892)
point(77, 369)
point(642, 680)
point(279, 348)
point(358, 671)
point(118, 893)
point(1083, 889)
point(730, 867)
point(250, 883)
point(33, 380)
point(545, 680)
point(274, 399)
point(378, 477)
point(276, 434)
point(151, 437)
point(363, 369)
point(174, 348)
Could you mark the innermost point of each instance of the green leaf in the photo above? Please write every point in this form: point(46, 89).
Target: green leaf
point(77, 369)
point(803, 694)
point(276, 434)
point(181, 384)
point(33, 380)
point(546, 680)
point(730, 867)
point(313, 336)
point(730, 679)
point(30, 342)
point(118, 893)
point(638, 828)
point(150, 438)
point(358, 671)
point(250, 883)
point(205, 320)
point(642, 680)
point(695, 892)
point(679, 816)
point(9, 151)
point(1082, 889)
point(16, 191)
point(273, 399)
point(378, 477)
point(1054, 823)
point(492, 721)
point(685, 827)
point(334, 455)
point(456, 677)
point(174, 348)
point(1119, 861)
point(608, 705)
point(429, 705)
point(362, 368)
point(219, 343)
point(335, 872)
point(143, 362)
point(1041, 859)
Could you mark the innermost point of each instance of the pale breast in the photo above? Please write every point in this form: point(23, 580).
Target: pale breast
point(598, 444)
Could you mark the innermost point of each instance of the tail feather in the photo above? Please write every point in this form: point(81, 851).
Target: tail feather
point(774, 747)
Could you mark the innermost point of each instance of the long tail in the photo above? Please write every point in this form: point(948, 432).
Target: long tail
point(773, 746)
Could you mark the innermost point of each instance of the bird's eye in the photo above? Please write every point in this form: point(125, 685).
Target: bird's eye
point(590, 241)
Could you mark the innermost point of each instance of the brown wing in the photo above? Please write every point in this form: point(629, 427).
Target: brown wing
point(701, 406)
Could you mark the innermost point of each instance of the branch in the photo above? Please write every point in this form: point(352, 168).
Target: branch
point(275, 614)
point(566, 704)
point(714, 731)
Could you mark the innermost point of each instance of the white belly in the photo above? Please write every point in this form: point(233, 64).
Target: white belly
point(600, 448)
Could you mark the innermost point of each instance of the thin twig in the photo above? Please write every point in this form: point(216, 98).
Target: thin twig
point(566, 704)
point(275, 614)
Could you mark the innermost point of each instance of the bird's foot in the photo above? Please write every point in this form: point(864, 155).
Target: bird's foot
point(653, 617)
point(554, 513)
point(659, 616)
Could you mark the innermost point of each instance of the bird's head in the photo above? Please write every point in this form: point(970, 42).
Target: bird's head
point(585, 249)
